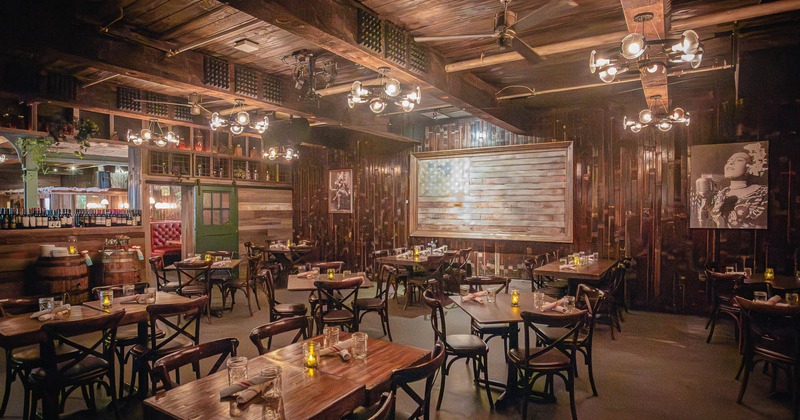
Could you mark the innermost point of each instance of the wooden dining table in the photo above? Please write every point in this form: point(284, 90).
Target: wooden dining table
point(499, 312)
point(224, 265)
point(779, 281)
point(304, 284)
point(288, 257)
point(334, 388)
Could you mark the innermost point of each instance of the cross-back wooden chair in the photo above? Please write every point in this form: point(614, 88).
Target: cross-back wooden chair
point(222, 349)
point(334, 308)
point(193, 279)
point(267, 331)
point(402, 378)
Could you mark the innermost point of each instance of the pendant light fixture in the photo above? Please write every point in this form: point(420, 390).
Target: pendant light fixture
point(153, 133)
point(238, 120)
point(388, 91)
point(657, 115)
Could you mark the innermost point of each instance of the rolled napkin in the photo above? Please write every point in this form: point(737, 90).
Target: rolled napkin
point(56, 313)
point(773, 300)
point(404, 255)
point(308, 274)
point(567, 267)
point(138, 250)
point(557, 306)
point(60, 308)
point(242, 387)
point(279, 247)
point(473, 296)
point(134, 299)
point(221, 264)
point(341, 349)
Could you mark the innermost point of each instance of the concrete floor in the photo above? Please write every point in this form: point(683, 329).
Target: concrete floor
point(659, 367)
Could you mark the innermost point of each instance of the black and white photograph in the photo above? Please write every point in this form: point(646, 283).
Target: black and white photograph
point(340, 191)
point(730, 186)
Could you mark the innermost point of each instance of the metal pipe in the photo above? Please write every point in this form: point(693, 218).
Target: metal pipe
point(98, 81)
point(335, 90)
point(245, 26)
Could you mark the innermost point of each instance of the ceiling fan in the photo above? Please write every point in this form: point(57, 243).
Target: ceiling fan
point(506, 25)
point(194, 101)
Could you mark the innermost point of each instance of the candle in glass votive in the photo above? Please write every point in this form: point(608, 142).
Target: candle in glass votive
point(769, 274)
point(289, 242)
point(515, 297)
point(331, 273)
point(310, 359)
point(208, 258)
point(106, 297)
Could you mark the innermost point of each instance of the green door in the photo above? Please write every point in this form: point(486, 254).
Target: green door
point(216, 219)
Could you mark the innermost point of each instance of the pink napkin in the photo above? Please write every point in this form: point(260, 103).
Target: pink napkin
point(247, 389)
point(308, 274)
point(773, 300)
point(474, 296)
point(557, 306)
point(341, 349)
point(134, 299)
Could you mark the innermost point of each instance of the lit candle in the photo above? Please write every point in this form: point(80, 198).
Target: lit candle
point(289, 242)
point(769, 274)
point(416, 258)
point(208, 258)
point(311, 359)
point(514, 297)
point(105, 299)
point(331, 273)
point(416, 250)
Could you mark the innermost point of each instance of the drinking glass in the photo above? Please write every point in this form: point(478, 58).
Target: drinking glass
point(563, 261)
point(596, 256)
point(310, 354)
point(463, 289)
point(45, 303)
point(748, 272)
point(538, 300)
point(793, 299)
point(346, 273)
point(760, 296)
point(360, 345)
point(127, 289)
point(491, 296)
point(237, 369)
point(271, 385)
point(331, 335)
point(729, 269)
point(570, 303)
point(150, 295)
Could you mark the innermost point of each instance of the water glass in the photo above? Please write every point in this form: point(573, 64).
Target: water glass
point(360, 345)
point(45, 303)
point(596, 256)
point(570, 303)
point(729, 269)
point(492, 294)
point(793, 299)
point(237, 369)
point(271, 385)
point(150, 295)
point(128, 289)
point(748, 272)
point(563, 261)
point(331, 335)
point(463, 289)
point(759, 296)
point(346, 273)
point(538, 300)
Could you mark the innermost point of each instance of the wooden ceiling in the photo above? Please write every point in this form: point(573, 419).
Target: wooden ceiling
point(157, 45)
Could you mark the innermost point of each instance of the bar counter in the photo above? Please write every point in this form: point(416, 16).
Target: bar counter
point(19, 249)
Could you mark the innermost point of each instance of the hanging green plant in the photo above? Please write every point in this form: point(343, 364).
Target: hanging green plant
point(37, 148)
point(86, 128)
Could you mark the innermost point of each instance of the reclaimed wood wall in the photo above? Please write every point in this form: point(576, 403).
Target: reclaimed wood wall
point(264, 214)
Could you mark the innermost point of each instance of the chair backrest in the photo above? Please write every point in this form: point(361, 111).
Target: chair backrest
point(323, 266)
point(723, 284)
point(376, 266)
point(774, 328)
point(60, 334)
point(157, 266)
point(222, 348)
point(16, 306)
point(399, 250)
point(385, 275)
point(266, 277)
point(117, 289)
point(402, 378)
point(572, 323)
point(327, 293)
point(259, 334)
point(590, 299)
point(437, 315)
point(183, 319)
point(222, 254)
point(190, 273)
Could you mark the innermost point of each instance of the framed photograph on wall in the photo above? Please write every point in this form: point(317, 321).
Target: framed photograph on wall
point(729, 185)
point(340, 191)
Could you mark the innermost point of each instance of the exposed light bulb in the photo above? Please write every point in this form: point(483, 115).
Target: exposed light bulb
point(392, 87)
point(355, 90)
point(407, 105)
point(633, 46)
point(377, 105)
point(262, 125)
point(636, 128)
point(137, 141)
point(645, 116)
point(160, 142)
point(664, 126)
point(273, 153)
point(147, 134)
point(236, 129)
point(170, 136)
point(608, 75)
point(690, 42)
point(289, 154)
point(152, 201)
point(243, 118)
point(678, 113)
point(3, 158)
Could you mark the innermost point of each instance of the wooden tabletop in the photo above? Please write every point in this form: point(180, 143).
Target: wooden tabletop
point(307, 394)
point(135, 312)
point(293, 248)
point(234, 263)
point(778, 282)
point(302, 284)
point(21, 330)
point(594, 271)
point(422, 260)
point(501, 310)
point(374, 371)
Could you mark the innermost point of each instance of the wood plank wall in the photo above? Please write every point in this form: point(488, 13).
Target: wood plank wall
point(264, 214)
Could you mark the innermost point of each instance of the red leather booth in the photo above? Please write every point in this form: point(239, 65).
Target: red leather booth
point(165, 240)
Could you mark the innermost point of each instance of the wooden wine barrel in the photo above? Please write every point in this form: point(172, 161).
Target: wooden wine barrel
point(121, 267)
point(56, 275)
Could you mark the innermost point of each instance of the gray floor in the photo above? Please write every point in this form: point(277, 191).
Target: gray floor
point(659, 367)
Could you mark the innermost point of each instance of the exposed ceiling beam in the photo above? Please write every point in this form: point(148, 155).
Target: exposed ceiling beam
point(653, 84)
point(742, 13)
point(332, 25)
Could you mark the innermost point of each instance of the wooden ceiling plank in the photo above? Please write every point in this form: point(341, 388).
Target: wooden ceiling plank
point(333, 26)
point(653, 84)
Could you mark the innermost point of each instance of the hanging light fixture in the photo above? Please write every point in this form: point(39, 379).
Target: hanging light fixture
point(238, 120)
point(3, 158)
point(388, 91)
point(287, 153)
point(153, 133)
point(657, 115)
point(634, 52)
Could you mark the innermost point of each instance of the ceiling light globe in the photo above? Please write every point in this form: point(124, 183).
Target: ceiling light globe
point(664, 126)
point(350, 102)
point(407, 105)
point(392, 87)
point(137, 141)
point(216, 120)
point(355, 90)
point(608, 75)
point(633, 46)
point(645, 116)
point(273, 153)
point(170, 136)
point(698, 58)
point(243, 118)
point(377, 105)
point(160, 142)
point(417, 95)
point(678, 113)
point(147, 134)
point(636, 128)
point(690, 42)
point(236, 129)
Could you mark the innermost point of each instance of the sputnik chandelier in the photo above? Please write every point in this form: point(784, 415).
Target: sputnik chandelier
point(154, 133)
point(636, 53)
point(388, 90)
point(238, 120)
point(655, 116)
